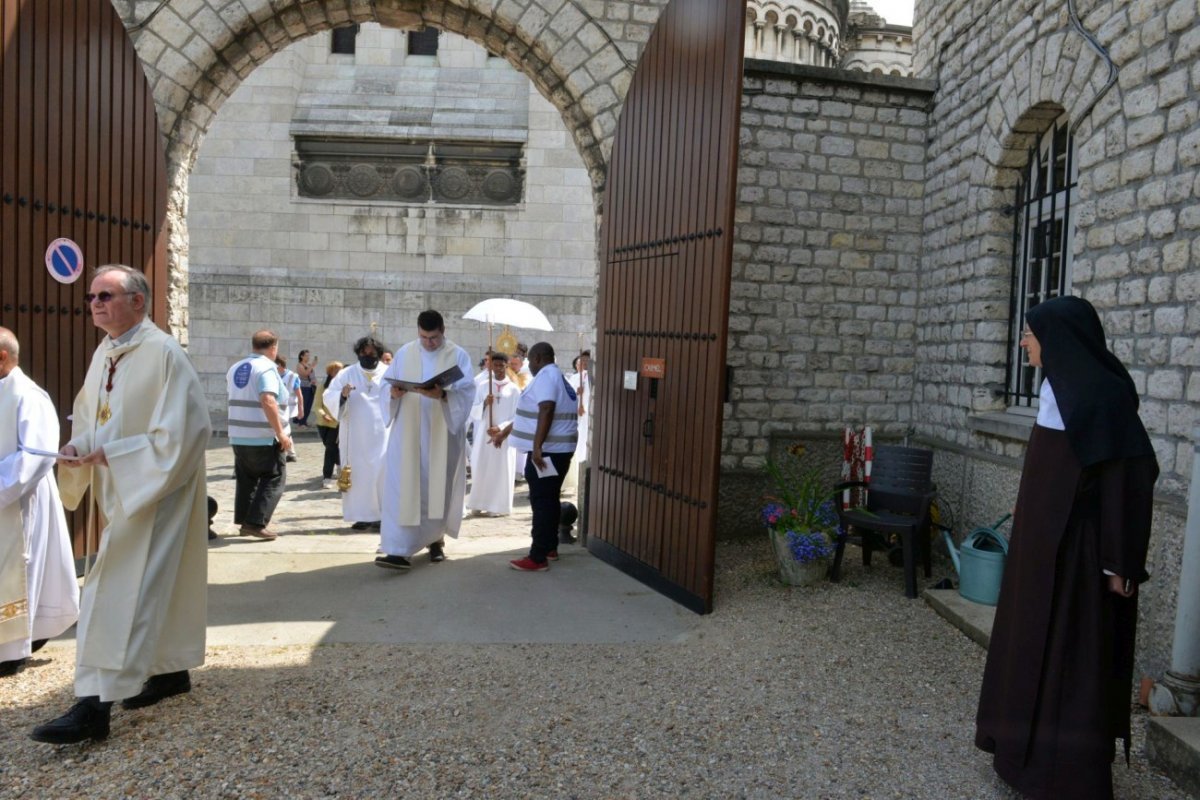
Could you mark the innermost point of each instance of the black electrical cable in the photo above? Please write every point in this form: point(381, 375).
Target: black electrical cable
point(1099, 48)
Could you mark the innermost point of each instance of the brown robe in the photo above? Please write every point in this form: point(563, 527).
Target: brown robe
point(1057, 685)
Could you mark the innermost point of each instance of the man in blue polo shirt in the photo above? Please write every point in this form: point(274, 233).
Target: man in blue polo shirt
point(546, 427)
point(257, 403)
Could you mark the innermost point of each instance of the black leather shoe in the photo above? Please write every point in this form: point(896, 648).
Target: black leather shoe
point(436, 552)
point(8, 668)
point(360, 526)
point(159, 687)
point(393, 562)
point(87, 719)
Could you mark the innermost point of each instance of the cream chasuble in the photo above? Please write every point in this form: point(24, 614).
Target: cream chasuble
point(39, 596)
point(425, 477)
point(144, 604)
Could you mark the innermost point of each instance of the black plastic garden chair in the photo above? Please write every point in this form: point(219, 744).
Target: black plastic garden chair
point(899, 496)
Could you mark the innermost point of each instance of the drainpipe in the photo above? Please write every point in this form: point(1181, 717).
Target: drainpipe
point(1178, 693)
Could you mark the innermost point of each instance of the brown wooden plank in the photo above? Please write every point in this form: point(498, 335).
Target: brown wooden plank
point(60, 368)
point(678, 384)
point(8, 161)
point(25, 181)
point(642, 318)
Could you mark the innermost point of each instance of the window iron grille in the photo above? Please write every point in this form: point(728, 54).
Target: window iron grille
point(1041, 249)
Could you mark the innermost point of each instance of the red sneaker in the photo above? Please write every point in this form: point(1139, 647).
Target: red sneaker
point(527, 564)
point(552, 555)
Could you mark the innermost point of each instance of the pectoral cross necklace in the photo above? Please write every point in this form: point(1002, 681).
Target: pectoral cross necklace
point(105, 413)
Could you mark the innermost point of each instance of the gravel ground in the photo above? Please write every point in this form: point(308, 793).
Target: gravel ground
point(837, 691)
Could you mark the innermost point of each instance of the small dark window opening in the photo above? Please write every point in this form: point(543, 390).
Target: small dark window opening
point(343, 39)
point(423, 42)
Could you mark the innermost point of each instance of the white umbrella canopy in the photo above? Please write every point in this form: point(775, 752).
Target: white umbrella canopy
point(513, 313)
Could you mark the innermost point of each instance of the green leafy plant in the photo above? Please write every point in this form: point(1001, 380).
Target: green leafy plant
point(801, 508)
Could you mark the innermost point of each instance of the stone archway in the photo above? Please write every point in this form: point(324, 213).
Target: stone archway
point(337, 194)
point(581, 64)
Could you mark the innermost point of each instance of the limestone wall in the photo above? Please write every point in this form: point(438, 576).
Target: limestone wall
point(320, 272)
point(1003, 72)
point(825, 274)
point(1136, 221)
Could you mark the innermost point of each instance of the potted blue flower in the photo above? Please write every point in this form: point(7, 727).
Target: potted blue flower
point(801, 519)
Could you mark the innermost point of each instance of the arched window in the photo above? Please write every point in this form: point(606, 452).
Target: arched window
point(1041, 247)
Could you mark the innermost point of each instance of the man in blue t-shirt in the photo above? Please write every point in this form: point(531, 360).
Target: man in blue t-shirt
point(257, 399)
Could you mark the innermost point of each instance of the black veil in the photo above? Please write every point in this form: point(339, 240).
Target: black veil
point(1095, 394)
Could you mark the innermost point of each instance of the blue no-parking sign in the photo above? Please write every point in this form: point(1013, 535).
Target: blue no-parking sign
point(64, 261)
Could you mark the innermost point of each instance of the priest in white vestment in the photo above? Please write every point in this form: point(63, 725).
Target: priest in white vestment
point(140, 429)
point(425, 481)
point(39, 596)
point(493, 469)
point(356, 398)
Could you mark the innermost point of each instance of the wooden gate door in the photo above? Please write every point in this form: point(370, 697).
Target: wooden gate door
point(80, 158)
point(667, 241)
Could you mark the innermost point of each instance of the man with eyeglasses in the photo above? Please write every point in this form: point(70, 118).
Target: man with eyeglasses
point(425, 475)
point(138, 436)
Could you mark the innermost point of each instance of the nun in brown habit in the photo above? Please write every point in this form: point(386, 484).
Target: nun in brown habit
point(1057, 686)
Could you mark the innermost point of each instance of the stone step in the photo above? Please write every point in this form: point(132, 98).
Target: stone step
point(1173, 746)
point(973, 619)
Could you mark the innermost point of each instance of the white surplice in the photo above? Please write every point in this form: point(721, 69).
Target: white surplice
point(472, 429)
point(143, 609)
point(39, 596)
point(415, 513)
point(362, 437)
point(582, 384)
point(493, 469)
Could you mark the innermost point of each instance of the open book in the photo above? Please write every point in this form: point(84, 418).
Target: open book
point(442, 379)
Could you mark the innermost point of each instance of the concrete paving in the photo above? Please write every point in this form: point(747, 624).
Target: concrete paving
point(317, 582)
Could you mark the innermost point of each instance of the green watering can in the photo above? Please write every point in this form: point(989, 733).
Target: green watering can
point(980, 562)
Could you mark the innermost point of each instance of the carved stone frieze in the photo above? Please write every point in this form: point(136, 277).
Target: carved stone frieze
point(443, 172)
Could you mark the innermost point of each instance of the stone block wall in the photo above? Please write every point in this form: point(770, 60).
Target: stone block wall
point(826, 256)
point(581, 55)
point(1136, 223)
point(1004, 72)
point(825, 270)
point(320, 272)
